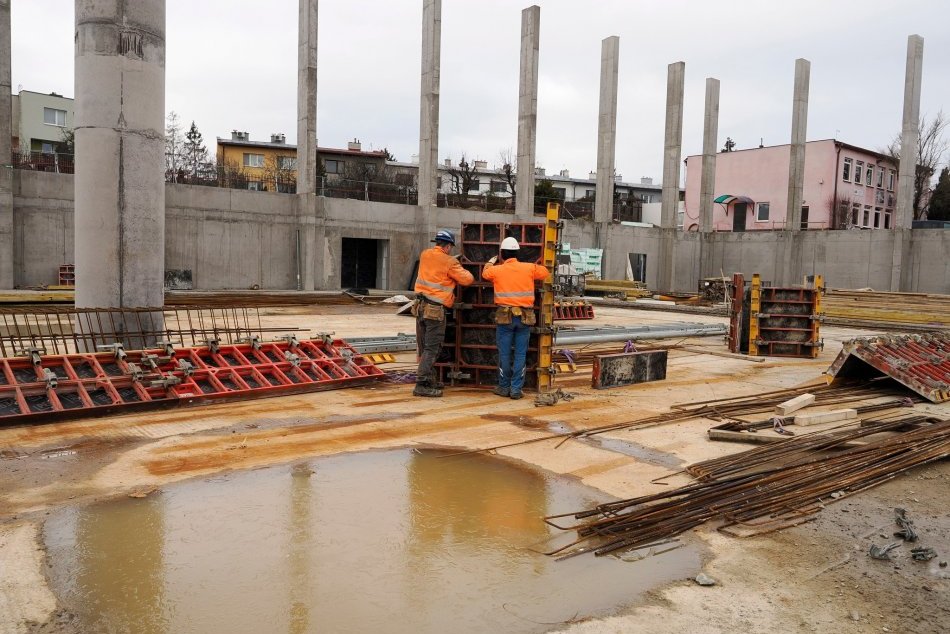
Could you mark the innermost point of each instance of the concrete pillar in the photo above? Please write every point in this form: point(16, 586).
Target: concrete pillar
point(910, 133)
point(307, 97)
point(429, 102)
point(707, 187)
point(308, 251)
point(607, 133)
point(796, 159)
point(527, 111)
point(672, 153)
point(120, 154)
point(6, 160)
point(910, 139)
point(672, 145)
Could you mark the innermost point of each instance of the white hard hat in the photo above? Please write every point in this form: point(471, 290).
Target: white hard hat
point(509, 244)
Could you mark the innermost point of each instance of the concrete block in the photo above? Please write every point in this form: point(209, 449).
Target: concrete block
point(795, 404)
point(833, 416)
point(617, 370)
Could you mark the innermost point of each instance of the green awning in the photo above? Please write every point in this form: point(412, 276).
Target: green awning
point(727, 199)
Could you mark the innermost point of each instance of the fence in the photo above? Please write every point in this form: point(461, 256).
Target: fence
point(43, 162)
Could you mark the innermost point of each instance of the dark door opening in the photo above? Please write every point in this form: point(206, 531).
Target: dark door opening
point(804, 217)
point(364, 263)
point(638, 266)
point(738, 216)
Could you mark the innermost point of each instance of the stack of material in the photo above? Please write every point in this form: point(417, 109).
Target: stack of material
point(875, 308)
point(621, 288)
point(767, 488)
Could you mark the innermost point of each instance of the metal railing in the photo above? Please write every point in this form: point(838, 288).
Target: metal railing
point(44, 162)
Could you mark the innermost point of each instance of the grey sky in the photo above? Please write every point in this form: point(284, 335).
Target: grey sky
point(232, 64)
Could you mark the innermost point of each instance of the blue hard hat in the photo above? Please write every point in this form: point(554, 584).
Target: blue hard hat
point(444, 236)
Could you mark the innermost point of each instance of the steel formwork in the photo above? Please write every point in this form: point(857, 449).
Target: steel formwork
point(38, 387)
point(775, 321)
point(469, 354)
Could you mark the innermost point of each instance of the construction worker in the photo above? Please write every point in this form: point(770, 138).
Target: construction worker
point(439, 273)
point(514, 295)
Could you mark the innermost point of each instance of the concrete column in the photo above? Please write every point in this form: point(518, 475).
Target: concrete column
point(607, 133)
point(307, 250)
point(910, 133)
point(672, 153)
point(910, 140)
point(527, 111)
point(672, 145)
point(6, 161)
point(307, 97)
point(120, 154)
point(796, 159)
point(429, 102)
point(707, 187)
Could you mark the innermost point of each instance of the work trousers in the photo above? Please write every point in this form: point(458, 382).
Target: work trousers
point(429, 336)
point(512, 341)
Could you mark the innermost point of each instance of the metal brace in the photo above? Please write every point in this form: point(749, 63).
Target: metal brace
point(135, 372)
point(169, 347)
point(290, 339)
point(458, 375)
point(150, 360)
point(166, 381)
point(50, 377)
point(33, 353)
point(293, 358)
point(213, 345)
point(254, 340)
point(117, 350)
point(325, 337)
point(186, 367)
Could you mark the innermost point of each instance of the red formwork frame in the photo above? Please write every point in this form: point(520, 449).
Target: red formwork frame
point(39, 388)
point(570, 311)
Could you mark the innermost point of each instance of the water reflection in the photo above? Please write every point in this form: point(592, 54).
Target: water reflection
point(396, 541)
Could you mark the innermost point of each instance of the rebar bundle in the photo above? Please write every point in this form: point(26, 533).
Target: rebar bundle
point(767, 488)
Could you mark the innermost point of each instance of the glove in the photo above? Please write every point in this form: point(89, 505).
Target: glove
point(493, 259)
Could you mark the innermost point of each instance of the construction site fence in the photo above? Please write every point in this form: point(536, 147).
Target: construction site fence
point(68, 330)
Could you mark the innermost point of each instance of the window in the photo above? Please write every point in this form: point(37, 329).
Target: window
point(890, 200)
point(333, 167)
point(253, 160)
point(286, 163)
point(647, 198)
point(46, 148)
point(880, 177)
point(879, 198)
point(887, 220)
point(877, 218)
point(890, 180)
point(52, 116)
point(474, 185)
point(438, 183)
point(858, 170)
point(762, 212)
point(254, 186)
point(499, 187)
point(561, 192)
point(590, 193)
point(867, 217)
point(869, 175)
point(846, 174)
point(855, 212)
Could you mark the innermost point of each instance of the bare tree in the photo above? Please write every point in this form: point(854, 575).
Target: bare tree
point(174, 147)
point(464, 177)
point(840, 212)
point(508, 172)
point(281, 171)
point(931, 150)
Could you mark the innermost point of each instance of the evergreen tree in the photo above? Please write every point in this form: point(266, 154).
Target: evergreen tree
point(939, 208)
point(194, 152)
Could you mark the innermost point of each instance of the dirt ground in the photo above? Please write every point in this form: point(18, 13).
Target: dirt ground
point(815, 577)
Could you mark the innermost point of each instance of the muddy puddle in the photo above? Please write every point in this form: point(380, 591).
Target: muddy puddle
point(397, 541)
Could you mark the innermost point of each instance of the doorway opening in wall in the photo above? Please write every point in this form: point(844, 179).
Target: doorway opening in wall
point(738, 216)
point(637, 266)
point(364, 263)
point(804, 217)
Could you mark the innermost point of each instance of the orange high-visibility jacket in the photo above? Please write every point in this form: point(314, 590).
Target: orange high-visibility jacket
point(438, 275)
point(514, 281)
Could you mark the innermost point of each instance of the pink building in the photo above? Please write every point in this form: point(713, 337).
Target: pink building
point(751, 191)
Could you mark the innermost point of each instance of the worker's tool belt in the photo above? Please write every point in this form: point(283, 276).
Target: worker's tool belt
point(504, 315)
point(428, 309)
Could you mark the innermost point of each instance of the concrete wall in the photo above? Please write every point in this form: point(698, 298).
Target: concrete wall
point(238, 239)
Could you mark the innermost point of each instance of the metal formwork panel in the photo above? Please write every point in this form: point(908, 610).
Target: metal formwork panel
point(775, 321)
point(469, 355)
point(920, 362)
point(42, 387)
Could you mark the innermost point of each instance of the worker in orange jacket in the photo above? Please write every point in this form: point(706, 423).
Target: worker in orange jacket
point(439, 273)
point(514, 283)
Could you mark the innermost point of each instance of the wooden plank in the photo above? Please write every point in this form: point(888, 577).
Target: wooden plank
point(794, 404)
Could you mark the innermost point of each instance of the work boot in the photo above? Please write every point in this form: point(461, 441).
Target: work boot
point(516, 395)
point(434, 382)
point(501, 391)
point(425, 390)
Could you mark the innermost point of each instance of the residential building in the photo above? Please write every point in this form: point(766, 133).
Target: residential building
point(39, 121)
point(845, 186)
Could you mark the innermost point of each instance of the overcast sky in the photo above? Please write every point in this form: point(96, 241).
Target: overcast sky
point(232, 64)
